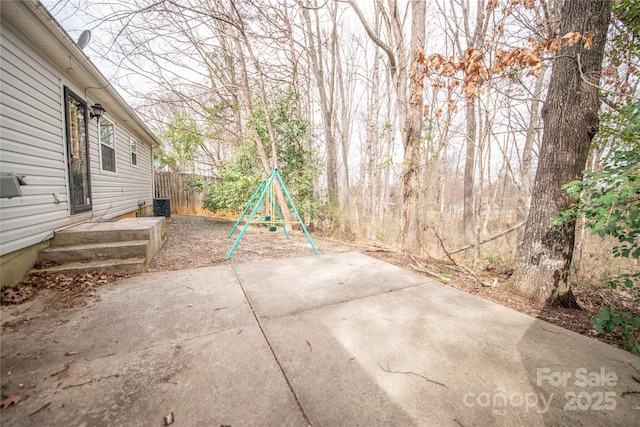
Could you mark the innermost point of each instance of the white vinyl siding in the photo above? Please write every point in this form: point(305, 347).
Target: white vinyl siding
point(31, 132)
point(33, 144)
point(111, 196)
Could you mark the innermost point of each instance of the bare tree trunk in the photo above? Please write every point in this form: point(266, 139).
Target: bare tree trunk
point(468, 215)
point(524, 199)
point(411, 230)
point(325, 90)
point(409, 102)
point(295, 79)
point(441, 193)
point(345, 138)
point(384, 175)
point(282, 201)
point(474, 39)
point(483, 143)
point(370, 191)
point(248, 105)
point(570, 121)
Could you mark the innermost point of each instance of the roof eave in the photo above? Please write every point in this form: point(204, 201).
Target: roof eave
point(87, 74)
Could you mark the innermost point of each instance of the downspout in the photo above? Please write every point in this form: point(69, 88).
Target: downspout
point(153, 179)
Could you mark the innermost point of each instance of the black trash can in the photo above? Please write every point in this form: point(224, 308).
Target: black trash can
point(162, 207)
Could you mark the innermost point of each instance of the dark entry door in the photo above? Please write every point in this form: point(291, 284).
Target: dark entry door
point(78, 152)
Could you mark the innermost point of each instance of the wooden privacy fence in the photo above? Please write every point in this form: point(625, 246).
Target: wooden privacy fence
point(184, 198)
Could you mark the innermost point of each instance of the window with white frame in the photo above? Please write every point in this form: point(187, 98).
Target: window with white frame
point(107, 145)
point(134, 151)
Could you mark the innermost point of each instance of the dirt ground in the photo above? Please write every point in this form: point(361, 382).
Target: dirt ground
point(197, 241)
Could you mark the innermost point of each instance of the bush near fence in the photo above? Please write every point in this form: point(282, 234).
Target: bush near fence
point(185, 200)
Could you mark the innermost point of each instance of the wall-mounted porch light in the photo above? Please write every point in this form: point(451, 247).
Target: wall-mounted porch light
point(97, 112)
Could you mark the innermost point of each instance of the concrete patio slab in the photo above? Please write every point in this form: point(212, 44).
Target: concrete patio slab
point(338, 340)
point(304, 283)
point(443, 356)
point(184, 342)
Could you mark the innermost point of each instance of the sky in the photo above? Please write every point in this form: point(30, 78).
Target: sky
point(71, 16)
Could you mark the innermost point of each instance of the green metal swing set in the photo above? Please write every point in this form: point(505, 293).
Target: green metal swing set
point(264, 205)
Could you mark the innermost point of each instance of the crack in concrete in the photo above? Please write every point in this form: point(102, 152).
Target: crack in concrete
point(273, 353)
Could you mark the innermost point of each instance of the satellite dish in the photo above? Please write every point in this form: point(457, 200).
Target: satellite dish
point(84, 38)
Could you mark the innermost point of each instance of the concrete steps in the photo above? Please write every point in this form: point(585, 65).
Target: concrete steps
point(96, 251)
point(116, 246)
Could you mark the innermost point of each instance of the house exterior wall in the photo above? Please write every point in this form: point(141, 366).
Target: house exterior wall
point(117, 193)
point(33, 144)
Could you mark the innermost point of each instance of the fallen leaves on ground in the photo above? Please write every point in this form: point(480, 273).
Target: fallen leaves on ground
point(70, 290)
point(12, 399)
point(168, 420)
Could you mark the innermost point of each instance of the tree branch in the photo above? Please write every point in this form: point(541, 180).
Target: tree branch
point(374, 37)
point(421, 269)
point(584, 78)
point(486, 285)
point(507, 231)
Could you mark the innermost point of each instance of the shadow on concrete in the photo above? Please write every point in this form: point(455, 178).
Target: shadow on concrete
point(577, 380)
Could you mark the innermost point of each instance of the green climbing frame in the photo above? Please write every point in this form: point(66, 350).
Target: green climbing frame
point(264, 211)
